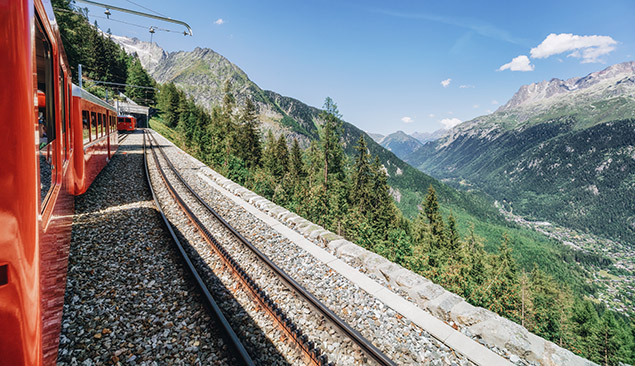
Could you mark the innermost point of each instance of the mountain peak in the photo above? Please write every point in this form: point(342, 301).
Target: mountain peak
point(150, 54)
point(552, 91)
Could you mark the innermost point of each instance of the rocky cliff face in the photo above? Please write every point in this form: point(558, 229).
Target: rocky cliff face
point(614, 80)
point(150, 54)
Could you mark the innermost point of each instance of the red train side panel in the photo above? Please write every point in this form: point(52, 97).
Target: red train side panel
point(19, 251)
point(44, 161)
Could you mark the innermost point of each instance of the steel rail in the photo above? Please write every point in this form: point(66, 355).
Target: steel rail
point(230, 336)
point(312, 353)
point(365, 345)
point(121, 137)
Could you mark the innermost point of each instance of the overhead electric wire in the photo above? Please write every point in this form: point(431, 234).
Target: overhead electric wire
point(130, 11)
point(148, 9)
point(136, 25)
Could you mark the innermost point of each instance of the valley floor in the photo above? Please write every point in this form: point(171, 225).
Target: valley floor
point(616, 283)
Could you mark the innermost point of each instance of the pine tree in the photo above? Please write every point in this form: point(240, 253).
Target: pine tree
point(269, 154)
point(383, 213)
point(169, 102)
point(453, 239)
point(544, 294)
point(281, 155)
point(297, 169)
point(613, 340)
point(362, 175)
point(435, 220)
point(503, 288)
point(249, 148)
point(228, 126)
point(139, 77)
point(332, 153)
point(586, 329)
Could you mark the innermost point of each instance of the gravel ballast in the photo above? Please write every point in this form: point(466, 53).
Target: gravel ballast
point(400, 339)
point(128, 298)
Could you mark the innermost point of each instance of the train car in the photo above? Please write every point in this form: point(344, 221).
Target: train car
point(98, 122)
point(45, 161)
point(126, 123)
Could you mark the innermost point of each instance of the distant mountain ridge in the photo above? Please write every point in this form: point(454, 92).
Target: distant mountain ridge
point(400, 143)
point(429, 136)
point(201, 74)
point(558, 150)
point(614, 77)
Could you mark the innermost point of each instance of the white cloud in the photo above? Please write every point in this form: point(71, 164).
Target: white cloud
point(450, 122)
point(588, 48)
point(476, 105)
point(466, 86)
point(494, 102)
point(431, 115)
point(520, 63)
point(407, 119)
point(446, 83)
point(219, 21)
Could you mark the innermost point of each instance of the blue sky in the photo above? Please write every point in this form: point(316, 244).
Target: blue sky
point(396, 65)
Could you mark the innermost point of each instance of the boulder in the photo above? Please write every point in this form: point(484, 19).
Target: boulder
point(333, 245)
point(426, 292)
point(329, 236)
point(352, 253)
point(507, 334)
point(466, 314)
point(407, 279)
point(441, 305)
point(555, 355)
point(317, 233)
point(373, 261)
point(389, 270)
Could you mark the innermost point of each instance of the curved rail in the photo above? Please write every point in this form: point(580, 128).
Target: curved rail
point(366, 346)
point(230, 336)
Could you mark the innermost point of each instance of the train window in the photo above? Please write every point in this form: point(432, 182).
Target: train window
point(63, 114)
point(68, 120)
point(85, 127)
point(100, 132)
point(93, 125)
point(46, 111)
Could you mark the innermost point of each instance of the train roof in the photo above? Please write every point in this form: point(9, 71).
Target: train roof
point(79, 92)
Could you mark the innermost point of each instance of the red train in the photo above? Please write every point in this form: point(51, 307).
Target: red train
point(56, 138)
point(126, 123)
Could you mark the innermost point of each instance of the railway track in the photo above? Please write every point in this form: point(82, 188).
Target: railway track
point(230, 336)
point(348, 339)
point(121, 137)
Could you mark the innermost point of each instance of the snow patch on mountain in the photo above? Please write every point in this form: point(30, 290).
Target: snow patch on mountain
point(150, 54)
point(612, 80)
